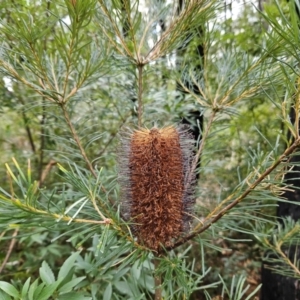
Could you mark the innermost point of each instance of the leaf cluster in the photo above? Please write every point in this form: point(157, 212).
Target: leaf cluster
point(80, 70)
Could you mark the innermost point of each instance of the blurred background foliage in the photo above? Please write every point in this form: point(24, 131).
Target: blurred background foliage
point(69, 82)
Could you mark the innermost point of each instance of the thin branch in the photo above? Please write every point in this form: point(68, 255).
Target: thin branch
point(113, 134)
point(105, 220)
point(14, 74)
point(193, 94)
point(278, 250)
point(10, 249)
point(127, 10)
point(223, 211)
point(140, 94)
point(297, 106)
point(112, 137)
point(77, 140)
point(27, 128)
point(288, 261)
point(72, 45)
point(46, 171)
point(157, 281)
point(58, 217)
point(180, 25)
point(203, 140)
point(117, 32)
point(24, 116)
point(42, 139)
point(43, 120)
point(87, 161)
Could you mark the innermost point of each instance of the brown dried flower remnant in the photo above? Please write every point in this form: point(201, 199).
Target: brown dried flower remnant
point(157, 185)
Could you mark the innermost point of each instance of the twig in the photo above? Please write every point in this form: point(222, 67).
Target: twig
point(203, 140)
point(277, 248)
point(113, 135)
point(89, 164)
point(77, 140)
point(288, 261)
point(10, 249)
point(42, 139)
point(223, 211)
point(44, 117)
point(140, 94)
point(46, 171)
point(27, 128)
point(117, 32)
point(157, 281)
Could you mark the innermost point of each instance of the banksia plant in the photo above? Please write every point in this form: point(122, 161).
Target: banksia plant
point(157, 184)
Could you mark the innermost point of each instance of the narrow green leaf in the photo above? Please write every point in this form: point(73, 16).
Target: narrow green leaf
point(46, 274)
point(79, 209)
point(48, 291)
point(108, 292)
point(9, 289)
point(37, 291)
point(32, 289)
point(254, 292)
point(4, 296)
point(124, 288)
point(121, 273)
point(11, 173)
point(74, 296)
point(103, 239)
point(66, 279)
point(69, 285)
point(25, 288)
point(29, 171)
point(136, 270)
point(67, 266)
point(19, 169)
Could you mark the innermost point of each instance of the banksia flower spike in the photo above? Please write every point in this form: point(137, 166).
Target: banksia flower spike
point(157, 184)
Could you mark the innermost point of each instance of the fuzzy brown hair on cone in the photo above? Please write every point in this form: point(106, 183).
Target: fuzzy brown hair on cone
point(157, 184)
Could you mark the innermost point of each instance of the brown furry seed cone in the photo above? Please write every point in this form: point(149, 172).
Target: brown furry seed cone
point(157, 184)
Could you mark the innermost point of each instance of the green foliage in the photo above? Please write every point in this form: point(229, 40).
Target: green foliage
point(62, 287)
point(73, 73)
